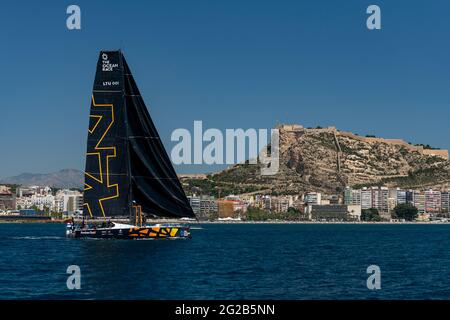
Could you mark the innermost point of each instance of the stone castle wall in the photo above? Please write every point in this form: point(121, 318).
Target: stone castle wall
point(396, 142)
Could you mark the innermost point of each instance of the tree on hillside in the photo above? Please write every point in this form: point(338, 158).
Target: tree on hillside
point(370, 215)
point(405, 211)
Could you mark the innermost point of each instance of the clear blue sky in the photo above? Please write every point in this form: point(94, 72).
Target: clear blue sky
point(232, 64)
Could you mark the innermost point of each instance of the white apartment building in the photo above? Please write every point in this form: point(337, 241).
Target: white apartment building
point(366, 198)
point(419, 201)
point(281, 204)
point(70, 201)
point(352, 197)
point(313, 198)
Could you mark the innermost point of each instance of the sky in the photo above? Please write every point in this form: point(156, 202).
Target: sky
point(231, 64)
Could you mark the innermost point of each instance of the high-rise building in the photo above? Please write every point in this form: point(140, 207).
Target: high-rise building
point(352, 197)
point(383, 199)
point(203, 206)
point(366, 198)
point(71, 200)
point(380, 199)
point(392, 199)
point(195, 204)
point(267, 203)
point(432, 201)
point(445, 201)
point(410, 197)
point(208, 206)
point(419, 201)
point(401, 196)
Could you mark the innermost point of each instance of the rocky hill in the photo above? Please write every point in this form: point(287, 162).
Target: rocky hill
point(328, 160)
point(325, 160)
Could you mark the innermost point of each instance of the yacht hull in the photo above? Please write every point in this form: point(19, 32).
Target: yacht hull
point(131, 232)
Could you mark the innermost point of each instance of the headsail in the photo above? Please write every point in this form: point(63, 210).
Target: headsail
point(127, 166)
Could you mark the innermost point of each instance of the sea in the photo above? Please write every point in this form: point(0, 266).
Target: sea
point(231, 261)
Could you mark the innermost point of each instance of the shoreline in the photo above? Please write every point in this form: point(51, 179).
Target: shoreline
point(26, 221)
point(324, 222)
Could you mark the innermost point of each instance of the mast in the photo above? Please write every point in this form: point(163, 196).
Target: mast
point(130, 193)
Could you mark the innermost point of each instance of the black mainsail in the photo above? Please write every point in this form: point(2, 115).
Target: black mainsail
point(127, 166)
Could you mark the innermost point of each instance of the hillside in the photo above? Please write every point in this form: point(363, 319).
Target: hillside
point(66, 178)
point(325, 160)
point(328, 160)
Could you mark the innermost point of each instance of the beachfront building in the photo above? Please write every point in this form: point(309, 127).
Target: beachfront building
point(267, 203)
point(432, 201)
point(313, 198)
point(445, 201)
point(429, 202)
point(419, 201)
point(410, 196)
point(281, 204)
point(239, 204)
point(195, 204)
point(7, 199)
point(43, 202)
point(204, 206)
point(366, 198)
point(208, 206)
point(36, 197)
point(401, 196)
point(375, 197)
point(334, 199)
point(352, 196)
point(231, 208)
point(380, 196)
point(70, 201)
point(226, 209)
point(335, 212)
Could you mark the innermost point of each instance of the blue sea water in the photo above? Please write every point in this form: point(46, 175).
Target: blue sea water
point(230, 261)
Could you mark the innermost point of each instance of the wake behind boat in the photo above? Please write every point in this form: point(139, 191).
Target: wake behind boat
point(128, 172)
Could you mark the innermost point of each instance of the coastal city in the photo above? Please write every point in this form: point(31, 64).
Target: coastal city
point(225, 159)
point(365, 204)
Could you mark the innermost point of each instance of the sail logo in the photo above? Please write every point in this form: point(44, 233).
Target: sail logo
point(97, 178)
point(106, 65)
point(239, 146)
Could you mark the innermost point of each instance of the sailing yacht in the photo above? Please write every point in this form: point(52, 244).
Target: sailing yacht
point(128, 173)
